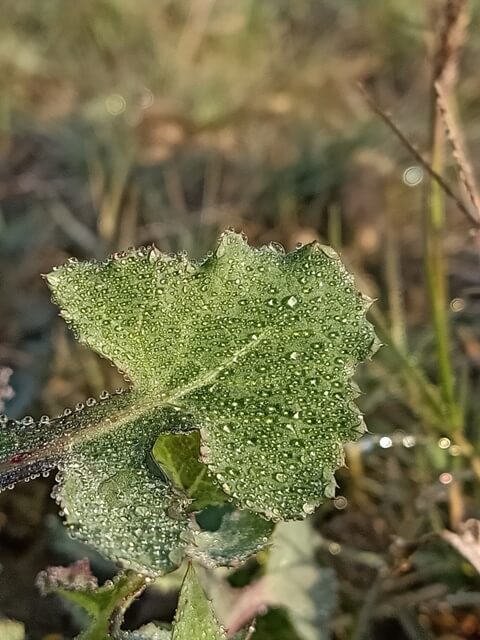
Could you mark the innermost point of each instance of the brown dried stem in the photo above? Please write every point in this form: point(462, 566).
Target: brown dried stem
point(454, 134)
point(377, 109)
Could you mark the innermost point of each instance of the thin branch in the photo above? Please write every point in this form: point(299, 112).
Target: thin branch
point(452, 40)
point(134, 588)
point(418, 156)
point(455, 137)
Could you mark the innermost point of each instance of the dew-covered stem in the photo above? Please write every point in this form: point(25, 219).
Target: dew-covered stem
point(134, 586)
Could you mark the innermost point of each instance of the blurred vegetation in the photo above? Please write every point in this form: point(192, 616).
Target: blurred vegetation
point(131, 123)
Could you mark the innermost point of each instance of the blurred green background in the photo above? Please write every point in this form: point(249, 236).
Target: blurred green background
point(129, 123)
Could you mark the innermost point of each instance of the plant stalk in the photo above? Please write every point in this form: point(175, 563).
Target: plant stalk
point(445, 64)
point(134, 586)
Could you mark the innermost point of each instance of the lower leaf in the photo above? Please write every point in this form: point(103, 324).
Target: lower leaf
point(240, 535)
point(113, 500)
point(78, 586)
point(195, 618)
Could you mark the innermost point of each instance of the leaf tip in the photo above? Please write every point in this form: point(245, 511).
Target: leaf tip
point(52, 279)
point(75, 577)
point(229, 239)
point(375, 346)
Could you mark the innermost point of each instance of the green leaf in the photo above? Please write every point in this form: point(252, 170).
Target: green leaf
point(178, 457)
point(252, 348)
point(257, 346)
point(295, 581)
point(77, 585)
point(10, 630)
point(111, 498)
point(240, 535)
point(109, 495)
point(195, 619)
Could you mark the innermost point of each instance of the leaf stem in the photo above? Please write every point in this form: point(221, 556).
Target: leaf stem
point(134, 586)
point(444, 74)
point(434, 223)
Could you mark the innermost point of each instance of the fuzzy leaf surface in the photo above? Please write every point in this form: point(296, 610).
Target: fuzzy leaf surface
point(255, 346)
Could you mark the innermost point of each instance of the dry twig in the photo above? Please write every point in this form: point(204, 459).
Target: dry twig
point(375, 107)
point(454, 134)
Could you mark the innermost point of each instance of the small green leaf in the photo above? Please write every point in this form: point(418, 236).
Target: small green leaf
point(195, 619)
point(178, 456)
point(79, 587)
point(240, 535)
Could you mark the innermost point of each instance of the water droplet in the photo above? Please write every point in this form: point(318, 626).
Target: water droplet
point(308, 508)
point(291, 302)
